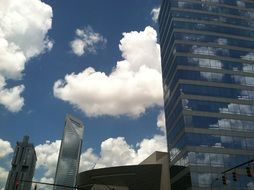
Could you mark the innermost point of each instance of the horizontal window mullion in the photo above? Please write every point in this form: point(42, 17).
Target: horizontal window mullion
point(216, 84)
point(213, 70)
point(219, 5)
point(212, 23)
point(212, 44)
point(217, 99)
point(218, 115)
point(213, 34)
point(208, 13)
point(220, 58)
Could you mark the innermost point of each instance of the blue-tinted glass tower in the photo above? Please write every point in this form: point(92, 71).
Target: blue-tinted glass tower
point(23, 165)
point(207, 51)
point(69, 155)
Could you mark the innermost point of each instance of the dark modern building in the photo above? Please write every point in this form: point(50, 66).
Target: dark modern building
point(69, 155)
point(207, 52)
point(151, 174)
point(160, 158)
point(23, 165)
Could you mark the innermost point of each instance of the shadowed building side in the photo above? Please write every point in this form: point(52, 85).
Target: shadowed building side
point(122, 178)
point(23, 166)
point(152, 174)
point(163, 159)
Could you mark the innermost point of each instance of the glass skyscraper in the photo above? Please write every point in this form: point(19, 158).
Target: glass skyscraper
point(207, 51)
point(69, 155)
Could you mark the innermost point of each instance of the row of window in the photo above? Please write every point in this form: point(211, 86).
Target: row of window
point(212, 140)
point(206, 180)
point(207, 140)
point(217, 91)
point(196, 25)
point(209, 123)
point(167, 44)
point(208, 76)
point(215, 39)
point(215, 64)
point(219, 107)
point(209, 17)
point(203, 5)
point(219, 123)
point(211, 159)
point(206, 91)
point(206, 122)
point(170, 65)
point(219, 51)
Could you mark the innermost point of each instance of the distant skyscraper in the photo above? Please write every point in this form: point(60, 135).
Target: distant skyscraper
point(207, 51)
point(69, 155)
point(23, 165)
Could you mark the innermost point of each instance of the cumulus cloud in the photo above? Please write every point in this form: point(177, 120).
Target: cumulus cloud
point(161, 121)
point(155, 14)
point(10, 97)
point(45, 180)
point(114, 152)
point(86, 41)
point(23, 35)
point(117, 152)
point(3, 177)
point(134, 85)
point(5, 148)
point(47, 156)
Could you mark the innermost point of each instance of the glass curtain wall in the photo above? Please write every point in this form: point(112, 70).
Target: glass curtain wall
point(207, 51)
point(69, 155)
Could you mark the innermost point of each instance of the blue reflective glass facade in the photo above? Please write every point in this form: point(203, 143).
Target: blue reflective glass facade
point(69, 155)
point(207, 52)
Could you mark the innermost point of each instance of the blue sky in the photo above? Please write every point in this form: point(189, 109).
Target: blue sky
point(97, 60)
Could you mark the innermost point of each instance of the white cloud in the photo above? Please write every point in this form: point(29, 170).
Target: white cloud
point(117, 152)
point(113, 152)
point(23, 34)
point(86, 41)
point(161, 121)
point(5, 148)
point(3, 177)
point(155, 14)
point(134, 85)
point(11, 98)
point(47, 156)
point(88, 160)
point(45, 180)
